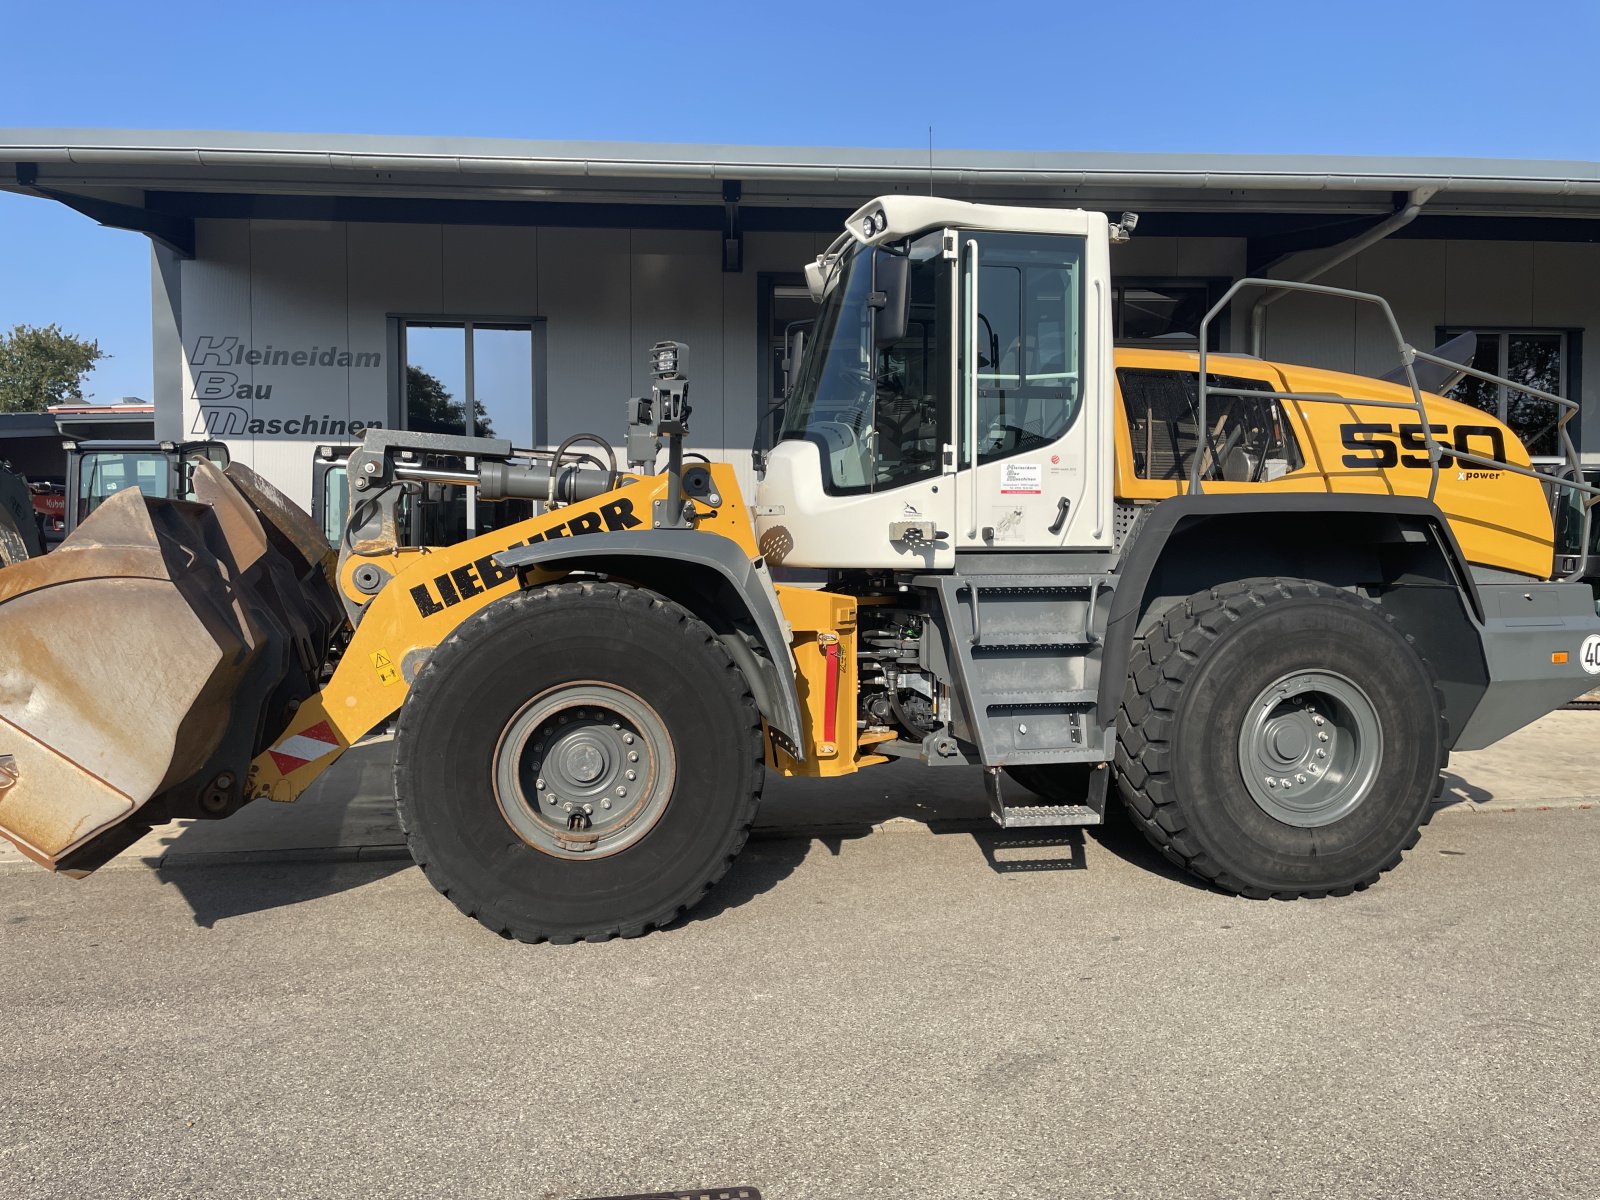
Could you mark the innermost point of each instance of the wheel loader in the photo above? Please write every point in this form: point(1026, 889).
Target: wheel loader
point(1259, 602)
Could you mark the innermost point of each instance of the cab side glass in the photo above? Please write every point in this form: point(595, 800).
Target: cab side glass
point(1029, 340)
point(102, 474)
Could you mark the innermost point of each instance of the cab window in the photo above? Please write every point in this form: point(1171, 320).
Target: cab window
point(105, 473)
point(1246, 440)
point(1029, 340)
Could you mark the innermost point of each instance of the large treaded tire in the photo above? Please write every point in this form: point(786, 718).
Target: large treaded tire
point(1194, 673)
point(475, 685)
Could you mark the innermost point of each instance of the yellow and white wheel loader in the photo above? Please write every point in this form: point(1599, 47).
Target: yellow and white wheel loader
point(1266, 600)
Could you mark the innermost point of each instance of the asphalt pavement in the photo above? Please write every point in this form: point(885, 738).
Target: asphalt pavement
point(348, 814)
point(913, 1014)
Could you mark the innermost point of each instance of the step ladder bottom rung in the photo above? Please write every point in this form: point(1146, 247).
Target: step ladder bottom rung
point(1033, 816)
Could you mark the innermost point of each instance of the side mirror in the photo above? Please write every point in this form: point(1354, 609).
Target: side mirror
point(891, 297)
point(794, 347)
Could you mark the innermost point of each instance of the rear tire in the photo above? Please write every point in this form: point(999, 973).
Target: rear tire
point(579, 761)
point(1280, 738)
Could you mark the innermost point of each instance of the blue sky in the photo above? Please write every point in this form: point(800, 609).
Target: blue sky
point(1483, 79)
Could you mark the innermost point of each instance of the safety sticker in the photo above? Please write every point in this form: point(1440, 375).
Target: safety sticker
point(384, 665)
point(1021, 479)
point(307, 746)
point(1589, 656)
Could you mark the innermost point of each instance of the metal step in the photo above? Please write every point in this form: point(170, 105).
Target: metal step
point(1036, 816)
point(1032, 816)
point(1034, 641)
point(1035, 584)
point(1042, 697)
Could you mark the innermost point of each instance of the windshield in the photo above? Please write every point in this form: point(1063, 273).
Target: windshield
point(105, 473)
point(876, 412)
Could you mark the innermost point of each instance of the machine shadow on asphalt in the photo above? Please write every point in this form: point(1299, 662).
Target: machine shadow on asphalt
point(1010, 853)
point(216, 892)
point(1458, 791)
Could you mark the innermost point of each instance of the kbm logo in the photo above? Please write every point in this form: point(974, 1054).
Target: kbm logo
point(214, 386)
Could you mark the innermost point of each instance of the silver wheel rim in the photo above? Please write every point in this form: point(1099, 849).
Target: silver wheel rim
point(1310, 748)
point(584, 770)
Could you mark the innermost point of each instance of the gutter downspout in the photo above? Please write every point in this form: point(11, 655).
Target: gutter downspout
point(1347, 250)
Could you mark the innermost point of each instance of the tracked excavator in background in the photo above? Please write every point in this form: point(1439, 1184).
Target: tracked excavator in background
point(1261, 602)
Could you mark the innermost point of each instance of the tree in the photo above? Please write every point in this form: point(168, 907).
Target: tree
point(41, 366)
point(431, 408)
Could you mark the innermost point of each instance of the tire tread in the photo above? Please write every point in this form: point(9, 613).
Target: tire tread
point(699, 639)
point(1163, 659)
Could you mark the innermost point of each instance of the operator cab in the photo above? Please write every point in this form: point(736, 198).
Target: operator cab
point(98, 470)
point(947, 330)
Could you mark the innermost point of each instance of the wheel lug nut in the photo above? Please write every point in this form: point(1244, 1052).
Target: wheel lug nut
point(633, 756)
point(627, 739)
point(539, 783)
point(622, 791)
point(605, 803)
point(631, 775)
point(1316, 720)
point(567, 807)
point(1272, 783)
point(1285, 783)
point(589, 809)
point(1299, 778)
point(1322, 754)
point(1322, 737)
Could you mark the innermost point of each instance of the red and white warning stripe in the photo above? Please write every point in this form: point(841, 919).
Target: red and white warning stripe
point(304, 747)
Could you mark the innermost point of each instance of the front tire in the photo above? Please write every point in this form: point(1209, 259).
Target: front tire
point(579, 761)
point(1280, 738)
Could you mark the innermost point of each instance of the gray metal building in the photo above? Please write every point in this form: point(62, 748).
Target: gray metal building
point(296, 279)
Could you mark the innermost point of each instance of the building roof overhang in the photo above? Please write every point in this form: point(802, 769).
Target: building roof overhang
point(160, 182)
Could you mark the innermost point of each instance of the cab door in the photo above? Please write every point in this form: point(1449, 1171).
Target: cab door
point(1035, 390)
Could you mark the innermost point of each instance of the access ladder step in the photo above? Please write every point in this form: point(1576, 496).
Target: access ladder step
point(1038, 697)
point(1035, 816)
point(1031, 816)
point(1039, 641)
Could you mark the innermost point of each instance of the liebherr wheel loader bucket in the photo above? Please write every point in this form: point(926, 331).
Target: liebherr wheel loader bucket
point(146, 661)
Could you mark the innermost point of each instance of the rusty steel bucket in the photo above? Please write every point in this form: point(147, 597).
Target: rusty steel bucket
point(149, 658)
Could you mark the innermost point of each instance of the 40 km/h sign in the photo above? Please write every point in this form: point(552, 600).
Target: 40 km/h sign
point(1589, 655)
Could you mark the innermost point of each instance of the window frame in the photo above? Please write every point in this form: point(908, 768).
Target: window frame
point(536, 327)
point(1214, 286)
point(398, 416)
point(1571, 385)
point(971, 456)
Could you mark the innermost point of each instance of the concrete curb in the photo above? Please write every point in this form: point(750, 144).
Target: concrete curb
point(174, 860)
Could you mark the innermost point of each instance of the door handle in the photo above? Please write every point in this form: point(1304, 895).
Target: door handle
point(1063, 507)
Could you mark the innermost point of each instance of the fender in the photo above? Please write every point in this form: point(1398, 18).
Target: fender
point(1150, 539)
point(667, 559)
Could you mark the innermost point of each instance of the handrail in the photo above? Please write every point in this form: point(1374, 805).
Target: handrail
point(1408, 357)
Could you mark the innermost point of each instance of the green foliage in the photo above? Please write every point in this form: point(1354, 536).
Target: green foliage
point(41, 366)
point(431, 408)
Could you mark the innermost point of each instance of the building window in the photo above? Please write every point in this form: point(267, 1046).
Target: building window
point(1158, 314)
point(473, 378)
point(1540, 358)
point(470, 377)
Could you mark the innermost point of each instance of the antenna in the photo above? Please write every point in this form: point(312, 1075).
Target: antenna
point(930, 160)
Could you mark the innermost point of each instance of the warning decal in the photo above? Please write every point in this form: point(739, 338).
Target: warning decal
point(1021, 479)
point(304, 747)
point(384, 665)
